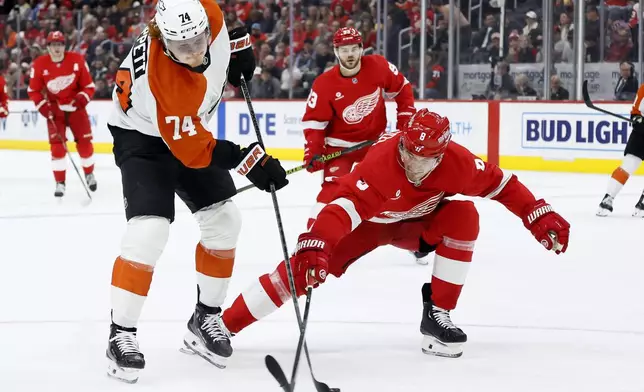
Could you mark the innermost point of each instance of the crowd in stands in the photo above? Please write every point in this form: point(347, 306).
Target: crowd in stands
point(104, 31)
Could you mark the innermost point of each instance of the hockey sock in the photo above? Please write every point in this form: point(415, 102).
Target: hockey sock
point(630, 163)
point(86, 152)
point(130, 285)
point(214, 269)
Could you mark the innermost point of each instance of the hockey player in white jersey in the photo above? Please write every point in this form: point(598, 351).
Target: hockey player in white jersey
point(167, 89)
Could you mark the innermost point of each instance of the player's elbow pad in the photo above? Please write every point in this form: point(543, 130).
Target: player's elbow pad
point(226, 154)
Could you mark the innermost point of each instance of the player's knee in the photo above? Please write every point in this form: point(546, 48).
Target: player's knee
point(630, 163)
point(466, 220)
point(57, 150)
point(145, 239)
point(85, 148)
point(220, 225)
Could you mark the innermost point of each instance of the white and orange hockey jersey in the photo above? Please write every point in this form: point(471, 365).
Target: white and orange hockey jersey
point(158, 97)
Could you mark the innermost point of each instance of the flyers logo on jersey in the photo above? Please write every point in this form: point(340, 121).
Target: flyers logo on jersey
point(60, 83)
point(361, 108)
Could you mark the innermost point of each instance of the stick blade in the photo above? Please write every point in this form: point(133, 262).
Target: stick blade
point(276, 370)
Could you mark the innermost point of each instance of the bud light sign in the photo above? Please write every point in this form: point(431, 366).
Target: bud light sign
point(573, 131)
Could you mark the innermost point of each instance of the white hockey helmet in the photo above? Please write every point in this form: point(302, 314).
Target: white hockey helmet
point(183, 24)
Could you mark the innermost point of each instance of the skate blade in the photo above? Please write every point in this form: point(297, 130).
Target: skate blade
point(602, 212)
point(195, 346)
point(637, 213)
point(422, 261)
point(127, 375)
point(433, 346)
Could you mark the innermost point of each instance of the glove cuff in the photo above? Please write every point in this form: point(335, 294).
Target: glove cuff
point(540, 209)
point(252, 156)
point(239, 44)
point(306, 241)
point(226, 154)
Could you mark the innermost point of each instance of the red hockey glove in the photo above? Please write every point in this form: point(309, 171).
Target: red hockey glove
point(80, 101)
point(313, 150)
point(311, 260)
point(4, 112)
point(402, 120)
point(45, 110)
point(548, 227)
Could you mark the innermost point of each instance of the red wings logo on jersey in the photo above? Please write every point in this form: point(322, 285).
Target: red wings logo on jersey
point(361, 108)
point(60, 83)
point(422, 209)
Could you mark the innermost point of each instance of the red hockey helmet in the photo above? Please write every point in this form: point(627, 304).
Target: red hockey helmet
point(423, 143)
point(55, 36)
point(427, 134)
point(346, 36)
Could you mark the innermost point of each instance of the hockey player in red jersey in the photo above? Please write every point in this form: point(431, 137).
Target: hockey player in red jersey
point(4, 98)
point(61, 87)
point(398, 196)
point(346, 107)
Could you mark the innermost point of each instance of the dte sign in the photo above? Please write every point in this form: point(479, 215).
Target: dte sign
point(266, 122)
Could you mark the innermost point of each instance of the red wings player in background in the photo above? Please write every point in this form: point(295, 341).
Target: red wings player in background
point(68, 87)
point(4, 98)
point(397, 196)
point(346, 107)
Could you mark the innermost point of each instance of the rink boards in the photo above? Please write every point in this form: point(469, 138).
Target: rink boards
point(541, 136)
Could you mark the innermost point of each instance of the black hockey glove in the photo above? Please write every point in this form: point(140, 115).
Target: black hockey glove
point(261, 169)
point(242, 58)
point(638, 122)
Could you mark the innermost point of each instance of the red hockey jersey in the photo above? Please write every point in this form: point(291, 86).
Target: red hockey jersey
point(4, 96)
point(350, 110)
point(379, 191)
point(59, 83)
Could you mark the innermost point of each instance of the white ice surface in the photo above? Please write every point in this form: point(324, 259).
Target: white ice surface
point(535, 321)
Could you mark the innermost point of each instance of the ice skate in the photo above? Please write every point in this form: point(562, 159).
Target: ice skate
point(208, 337)
point(638, 212)
point(421, 257)
point(60, 189)
point(440, 336)
point(124, 358)
point(606, 206)
point(91, 181)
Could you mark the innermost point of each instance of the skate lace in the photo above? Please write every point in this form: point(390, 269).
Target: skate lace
point(126, 342)
point(442, 317)
point(214, 327)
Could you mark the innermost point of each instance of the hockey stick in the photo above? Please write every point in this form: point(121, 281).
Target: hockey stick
point(591, 105)
point(277, 371)
point(323, 158)
point(62, 139)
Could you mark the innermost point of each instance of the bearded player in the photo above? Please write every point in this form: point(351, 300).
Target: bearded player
point(346, 107)
point(61, 87)
point(398, 195)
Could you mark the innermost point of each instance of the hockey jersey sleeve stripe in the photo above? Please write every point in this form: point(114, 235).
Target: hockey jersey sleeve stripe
point(317, 125)
point(395, 94)
point(348, 206)
point(85, 94)
point(504, 182)
point(40, 104)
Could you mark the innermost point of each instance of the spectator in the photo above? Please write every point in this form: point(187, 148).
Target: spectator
point(102, 92)
point(557, 92)
point(482, 39)
point(268, 64)
point(506, 86)
point(531, 22)
point(620, 41)
point(523, 88)
point(627, 84)
point(265, 85)
point(256, 34)
point(322, 57)
point(592, 34)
